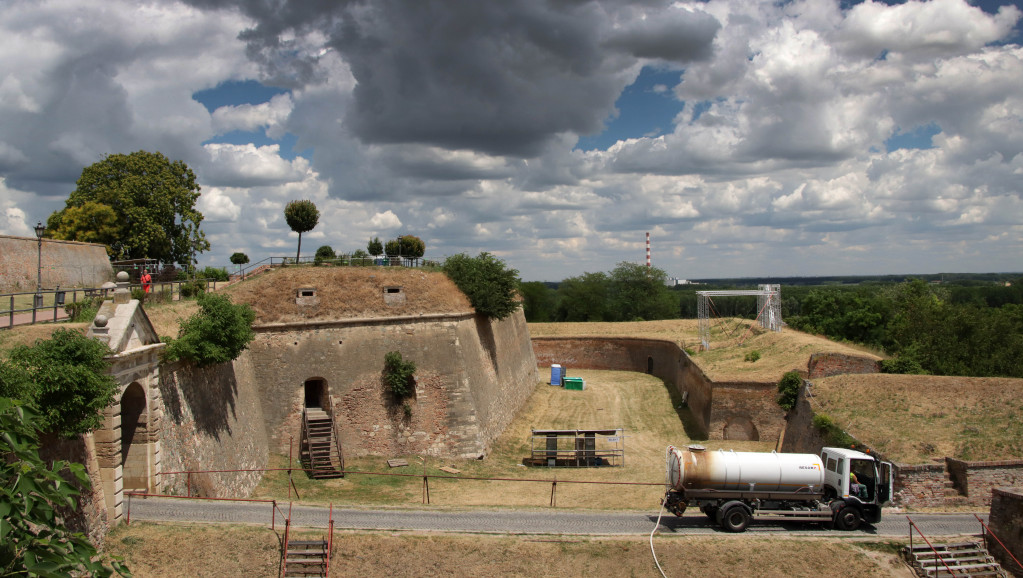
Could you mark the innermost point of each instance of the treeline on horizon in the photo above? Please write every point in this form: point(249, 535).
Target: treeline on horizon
point(967, 324)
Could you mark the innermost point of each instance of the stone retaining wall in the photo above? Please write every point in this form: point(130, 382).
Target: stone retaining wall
point(1006, 522)
point(975, 480)
point(64, 263)
point(920, 486)
point(473, 375)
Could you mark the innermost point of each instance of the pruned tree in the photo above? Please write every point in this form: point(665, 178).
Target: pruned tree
point(375, 247)
point(239, 258)
point(301, 216)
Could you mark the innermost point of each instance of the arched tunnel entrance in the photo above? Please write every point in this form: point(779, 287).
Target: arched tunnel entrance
point(136, 459)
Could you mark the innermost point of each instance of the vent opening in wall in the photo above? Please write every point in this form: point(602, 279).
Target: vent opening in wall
point(394, 295)
point(306, 296)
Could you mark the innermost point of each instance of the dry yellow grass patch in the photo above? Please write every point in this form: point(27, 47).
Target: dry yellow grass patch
point(168, 550)
point(347, 292)
point(914, 419)
point(29, 334)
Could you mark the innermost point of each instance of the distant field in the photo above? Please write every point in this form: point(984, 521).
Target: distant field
point(169, 550)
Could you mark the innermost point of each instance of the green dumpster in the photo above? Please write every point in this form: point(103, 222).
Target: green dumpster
point(575, 383)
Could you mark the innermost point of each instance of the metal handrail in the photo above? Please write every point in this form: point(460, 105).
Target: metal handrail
point(330, 539)
point(937, 555)
point(987, 531)
point(287, 537)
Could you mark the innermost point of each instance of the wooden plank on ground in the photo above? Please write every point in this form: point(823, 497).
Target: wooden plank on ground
point(397, 463)
point(449, 470)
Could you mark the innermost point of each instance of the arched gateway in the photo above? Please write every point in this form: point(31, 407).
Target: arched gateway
point(128, 443)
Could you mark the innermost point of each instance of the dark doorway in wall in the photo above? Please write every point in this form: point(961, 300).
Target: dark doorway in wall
point(314, 390)
point(649, 364)
point(134, 438)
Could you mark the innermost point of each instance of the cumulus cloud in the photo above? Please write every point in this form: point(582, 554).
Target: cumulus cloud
point(249, 166)
point(252, 117)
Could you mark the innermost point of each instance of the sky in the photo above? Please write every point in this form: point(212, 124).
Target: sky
point(749, 138)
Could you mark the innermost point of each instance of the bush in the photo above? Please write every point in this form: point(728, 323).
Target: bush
point(83, 311)
point(217, 333)
point(192, 288)
point(213, 274)
point(398, 374)
point(324, 253)
point(65, 377)
point(752, 356)
point(490, 287)
point(239, 258)
point(788, 390)
point(902, 365)
point(833, 435)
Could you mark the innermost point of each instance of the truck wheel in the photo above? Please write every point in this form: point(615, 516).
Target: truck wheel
point(735, 519)
point(847, 518)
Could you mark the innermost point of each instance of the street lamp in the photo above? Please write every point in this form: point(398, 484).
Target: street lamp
point(38, 300)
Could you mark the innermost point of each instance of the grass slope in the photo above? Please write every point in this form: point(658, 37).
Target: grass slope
point(167, 551)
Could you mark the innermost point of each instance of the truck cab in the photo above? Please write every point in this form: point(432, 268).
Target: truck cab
point(861, 500)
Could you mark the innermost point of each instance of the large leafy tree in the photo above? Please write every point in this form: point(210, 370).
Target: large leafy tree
point(301, 216)
point(34, 540)
point(486, 281)
point(65, 377)
point(538, 301)
point(583, 298)
point(638, 292)
point(141, 205)
point(375, 247)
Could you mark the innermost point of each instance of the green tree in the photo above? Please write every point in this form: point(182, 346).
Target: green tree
point(375, 247)
point(539, 302)
point(153, 200)
point(788, 389)
point(324, 253)
point(34, 540)
point(486, 281)
point(637, 292)
point(69, 380)
point(239, 258)
point(217, 333)
point(583, 298)
point(301, 216)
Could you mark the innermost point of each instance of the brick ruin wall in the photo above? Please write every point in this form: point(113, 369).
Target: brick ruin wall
point(737, 411)
point(976, 480)
point(828, 364)
point(64, 263)
point(212, 420)
point(472, 376)
point(1006, 522)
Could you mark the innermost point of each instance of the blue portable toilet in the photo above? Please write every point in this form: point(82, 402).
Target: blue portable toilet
point(557, 374)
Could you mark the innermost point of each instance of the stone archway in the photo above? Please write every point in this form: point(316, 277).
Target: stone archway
point(740, 428)
point(136, 442)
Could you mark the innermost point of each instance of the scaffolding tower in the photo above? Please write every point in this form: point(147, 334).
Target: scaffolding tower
point(768, 308)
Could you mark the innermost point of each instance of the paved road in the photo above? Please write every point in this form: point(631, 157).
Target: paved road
point(519, 521)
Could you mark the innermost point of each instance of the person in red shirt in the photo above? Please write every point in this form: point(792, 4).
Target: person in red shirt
point(147, 281)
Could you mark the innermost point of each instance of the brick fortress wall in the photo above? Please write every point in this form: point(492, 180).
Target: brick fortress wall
point(64, 263)
point(1006, 522)
point(472, 376)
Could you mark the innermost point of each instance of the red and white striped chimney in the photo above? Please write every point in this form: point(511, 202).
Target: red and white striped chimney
point(648, 248)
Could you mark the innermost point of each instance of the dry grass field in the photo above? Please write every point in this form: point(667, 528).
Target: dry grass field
point(914, 419)
point(637, 402)
point(155, 550)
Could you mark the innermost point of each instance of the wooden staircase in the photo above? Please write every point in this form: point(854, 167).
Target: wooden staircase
point(321, 449)
point(306, 558)
point(962, 559)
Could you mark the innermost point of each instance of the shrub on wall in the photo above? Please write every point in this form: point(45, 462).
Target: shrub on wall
point(902, 365)
point(217, 333)
point(490, 287)
point(788, 389)
point(833, 435)
point(752, 356)
point(398, 374)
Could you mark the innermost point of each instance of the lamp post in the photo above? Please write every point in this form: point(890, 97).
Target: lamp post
point(38, 298)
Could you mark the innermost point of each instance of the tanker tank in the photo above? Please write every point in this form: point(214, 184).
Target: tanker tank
point(695, 468)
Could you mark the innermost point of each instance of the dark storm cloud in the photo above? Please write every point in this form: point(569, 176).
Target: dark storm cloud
point(497, 77)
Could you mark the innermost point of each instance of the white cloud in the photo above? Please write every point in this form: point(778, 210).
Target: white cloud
point(249, 166)
point(251, 117)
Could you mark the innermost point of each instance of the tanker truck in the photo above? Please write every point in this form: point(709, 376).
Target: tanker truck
point(733, 488)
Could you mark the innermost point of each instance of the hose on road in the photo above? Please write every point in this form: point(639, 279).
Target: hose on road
point(657, 525)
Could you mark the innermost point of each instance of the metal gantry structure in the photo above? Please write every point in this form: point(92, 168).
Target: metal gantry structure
point(768, 308)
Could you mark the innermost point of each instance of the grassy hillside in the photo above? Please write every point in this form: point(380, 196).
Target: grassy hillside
point(915, 418)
